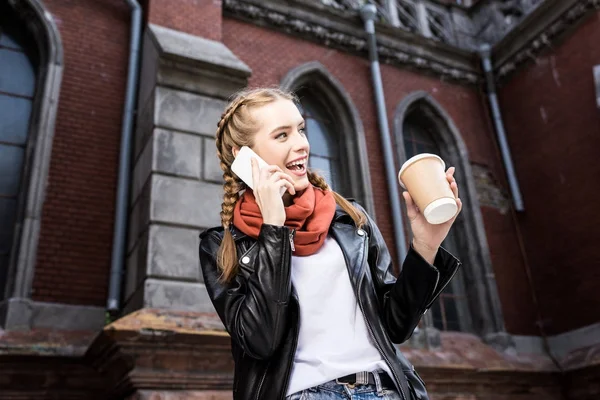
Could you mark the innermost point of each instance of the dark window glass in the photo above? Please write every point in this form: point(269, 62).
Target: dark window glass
point(419, 137)
point(14, 119)
point(16, 73)
point(321, 133)
point(17, 88)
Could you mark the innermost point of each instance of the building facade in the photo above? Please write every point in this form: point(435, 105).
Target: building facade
point(108, 169)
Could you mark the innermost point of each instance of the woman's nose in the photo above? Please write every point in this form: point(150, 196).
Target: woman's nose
point(300, 142)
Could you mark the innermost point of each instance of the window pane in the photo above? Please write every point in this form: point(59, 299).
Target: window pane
point(8, 211)
point(11, 164)
point(320, 141)
point(436, 311)
point(3, 273)
point(7, 41)
point(14, 119)
point(452, 323)
point(16, 73)
point(322, 166)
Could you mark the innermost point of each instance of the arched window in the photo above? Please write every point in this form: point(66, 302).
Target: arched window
point(17, 90)
point(31, 65)
point(335, 131)
point(451, 311)
point(470, 303)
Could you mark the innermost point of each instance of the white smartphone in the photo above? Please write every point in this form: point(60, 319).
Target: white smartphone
point(242, 166)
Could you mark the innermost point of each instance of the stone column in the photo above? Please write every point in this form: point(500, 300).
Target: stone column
point(177, 183)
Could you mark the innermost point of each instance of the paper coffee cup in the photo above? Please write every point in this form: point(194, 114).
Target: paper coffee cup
point(424, 176)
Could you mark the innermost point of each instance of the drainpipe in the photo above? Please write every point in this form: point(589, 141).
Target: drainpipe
point(486, 61)
point(368, 13)
point(120, 229)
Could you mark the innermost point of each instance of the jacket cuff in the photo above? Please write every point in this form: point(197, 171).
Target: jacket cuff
point(417, 278)
point(445, 261)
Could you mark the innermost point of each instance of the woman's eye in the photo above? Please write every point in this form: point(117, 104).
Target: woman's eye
point(281, 135)
point(302, 131)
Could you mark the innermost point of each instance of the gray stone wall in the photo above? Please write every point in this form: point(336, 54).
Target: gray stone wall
point(176, 188)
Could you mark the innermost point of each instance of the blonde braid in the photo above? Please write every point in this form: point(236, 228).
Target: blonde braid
point(317, 180)
point(222, 126)
point(235, 129)
point(357, 216)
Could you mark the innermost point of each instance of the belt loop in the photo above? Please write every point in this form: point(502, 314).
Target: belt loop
point(378, 384)
point(362, 378)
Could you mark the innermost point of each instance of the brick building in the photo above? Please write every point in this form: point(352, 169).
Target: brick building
point(108, 174)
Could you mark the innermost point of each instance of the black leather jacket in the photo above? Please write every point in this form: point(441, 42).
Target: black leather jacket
point(261, 311)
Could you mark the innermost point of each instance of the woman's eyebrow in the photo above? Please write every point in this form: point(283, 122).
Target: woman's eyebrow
point(284, 127)
point(281, 128)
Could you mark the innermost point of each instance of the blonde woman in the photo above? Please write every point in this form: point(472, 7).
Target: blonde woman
point(303, 283)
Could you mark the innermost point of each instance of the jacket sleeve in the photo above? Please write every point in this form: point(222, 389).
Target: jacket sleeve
point(253, 309)
point(404, 300)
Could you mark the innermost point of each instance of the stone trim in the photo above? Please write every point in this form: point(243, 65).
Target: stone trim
point(179, 60)
point(485, 304)
point(561, 344)
point(537, 32)
point(342, 29)
point(341, 103)
point(40, 22)
point(25, 315)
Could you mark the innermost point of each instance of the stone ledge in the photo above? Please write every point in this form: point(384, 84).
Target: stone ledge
point(191, 63)
point(26, 314)
point(464, 351)
point(166, 355)
point(203, 52)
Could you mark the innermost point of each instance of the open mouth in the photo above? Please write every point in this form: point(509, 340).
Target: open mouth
point(298, 167)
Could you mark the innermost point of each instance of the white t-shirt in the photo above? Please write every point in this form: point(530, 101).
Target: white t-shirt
point(334, 340)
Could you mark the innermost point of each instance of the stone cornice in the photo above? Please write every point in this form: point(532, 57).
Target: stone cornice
point(537, 32)
point(342, 29)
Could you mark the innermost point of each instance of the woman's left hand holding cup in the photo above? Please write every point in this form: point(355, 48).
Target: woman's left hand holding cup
point(427, 237)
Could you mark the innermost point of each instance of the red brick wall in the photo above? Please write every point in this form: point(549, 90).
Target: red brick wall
point(76, 237)
point(198, 17)
point(553, 129)
point(271, 55)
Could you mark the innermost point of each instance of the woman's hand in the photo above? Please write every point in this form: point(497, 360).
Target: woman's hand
point(267, 184)
point(427, 238)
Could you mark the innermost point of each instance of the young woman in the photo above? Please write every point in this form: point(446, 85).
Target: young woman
point(304, 283)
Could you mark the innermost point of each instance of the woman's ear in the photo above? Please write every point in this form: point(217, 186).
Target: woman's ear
point(235, 150)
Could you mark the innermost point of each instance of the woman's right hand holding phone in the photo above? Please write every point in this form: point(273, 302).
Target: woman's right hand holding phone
point(268, 182)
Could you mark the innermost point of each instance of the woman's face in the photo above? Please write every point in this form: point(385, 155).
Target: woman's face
point(280, 139)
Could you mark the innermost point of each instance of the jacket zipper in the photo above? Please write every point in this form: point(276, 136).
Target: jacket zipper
point(294, 347)
point(381, 352)
point(262, 380)
point(443, 287)
point(292, 239)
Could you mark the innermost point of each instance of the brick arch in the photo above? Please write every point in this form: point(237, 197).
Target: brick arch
point(483, 296)
point(39, 22)
point(325, 85)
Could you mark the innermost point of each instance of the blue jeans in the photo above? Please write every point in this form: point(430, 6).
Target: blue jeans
point(334, 391)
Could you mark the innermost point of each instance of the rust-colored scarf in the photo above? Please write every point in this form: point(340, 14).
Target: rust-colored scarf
point(310, 214)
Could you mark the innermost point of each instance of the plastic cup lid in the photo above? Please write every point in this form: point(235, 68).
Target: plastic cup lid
point(414, 159)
